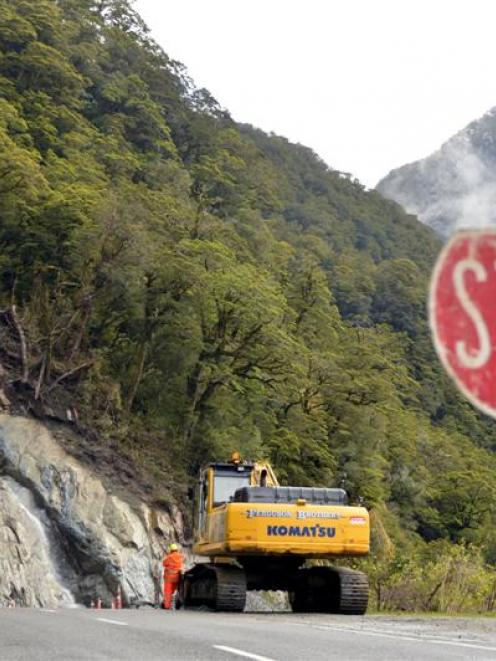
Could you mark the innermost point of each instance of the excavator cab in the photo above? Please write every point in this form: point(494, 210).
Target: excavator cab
point(217, 485)
point(259, 535)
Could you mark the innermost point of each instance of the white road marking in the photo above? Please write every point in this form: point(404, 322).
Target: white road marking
point(413, 639)
point(104, 619)
point(247, 655)
point(47, 610)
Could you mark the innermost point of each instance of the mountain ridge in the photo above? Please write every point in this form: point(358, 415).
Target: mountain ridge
point(455, 186)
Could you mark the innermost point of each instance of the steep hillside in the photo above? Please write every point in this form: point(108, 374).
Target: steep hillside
point(455, 187)
point(176, 286)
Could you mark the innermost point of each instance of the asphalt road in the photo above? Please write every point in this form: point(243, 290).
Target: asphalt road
point(152, 634)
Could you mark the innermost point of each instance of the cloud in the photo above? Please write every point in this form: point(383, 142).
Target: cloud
point(454, 188)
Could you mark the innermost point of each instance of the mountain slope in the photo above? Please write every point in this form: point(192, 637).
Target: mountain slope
point(455, 187)
point(178, 286)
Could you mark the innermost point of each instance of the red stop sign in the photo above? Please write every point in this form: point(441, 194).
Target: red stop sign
point(462, 311)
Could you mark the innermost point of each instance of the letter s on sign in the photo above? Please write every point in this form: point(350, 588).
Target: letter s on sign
point(471, 360)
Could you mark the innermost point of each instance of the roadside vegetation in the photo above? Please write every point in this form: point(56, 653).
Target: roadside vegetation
point(186, 286)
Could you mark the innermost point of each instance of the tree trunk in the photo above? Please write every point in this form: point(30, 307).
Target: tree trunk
point(23, 343)
point(88, 307)
point(137, 379)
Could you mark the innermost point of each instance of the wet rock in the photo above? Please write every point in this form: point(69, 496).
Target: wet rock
point(101, 541)
point(28, 568)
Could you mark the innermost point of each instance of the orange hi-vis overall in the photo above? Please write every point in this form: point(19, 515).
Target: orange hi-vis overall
point(173, 566)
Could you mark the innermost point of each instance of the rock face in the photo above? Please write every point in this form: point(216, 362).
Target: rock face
point(28, 566)
point(455, 187)
point(64, 537)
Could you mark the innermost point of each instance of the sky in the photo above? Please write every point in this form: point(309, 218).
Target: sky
point(368, 84)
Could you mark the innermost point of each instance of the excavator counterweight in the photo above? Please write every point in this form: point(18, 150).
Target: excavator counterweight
point(258, 536)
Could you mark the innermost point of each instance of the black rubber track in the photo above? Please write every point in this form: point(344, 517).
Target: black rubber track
point(231, 589)
point(330, 590)
point(220, 587)
point(354, 593)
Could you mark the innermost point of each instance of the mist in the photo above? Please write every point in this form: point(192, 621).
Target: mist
point(455, 187)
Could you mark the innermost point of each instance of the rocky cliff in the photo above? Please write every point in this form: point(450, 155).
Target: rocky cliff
point(455, 187)
point(65, 536)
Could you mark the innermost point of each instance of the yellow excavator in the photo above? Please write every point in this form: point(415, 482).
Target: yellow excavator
point(258, 536)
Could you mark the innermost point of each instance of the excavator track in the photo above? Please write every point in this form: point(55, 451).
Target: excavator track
point(219, 587)
point(354, 591)
point(231, 589)
point(330, 590)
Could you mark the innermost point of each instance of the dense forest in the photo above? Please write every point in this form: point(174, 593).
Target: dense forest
point(187, 285)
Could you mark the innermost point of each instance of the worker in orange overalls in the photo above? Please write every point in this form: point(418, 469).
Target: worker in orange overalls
point(173, 568)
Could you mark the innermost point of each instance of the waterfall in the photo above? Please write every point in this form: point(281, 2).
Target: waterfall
point(48, 555)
